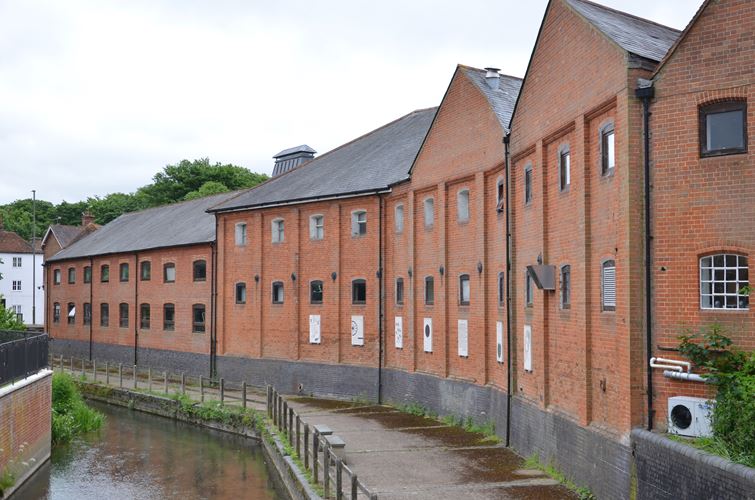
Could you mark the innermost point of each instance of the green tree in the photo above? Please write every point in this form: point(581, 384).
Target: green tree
point(9, 320)
point(207, 189)
point(113, 205)
point(17, 217)
point(70, 213)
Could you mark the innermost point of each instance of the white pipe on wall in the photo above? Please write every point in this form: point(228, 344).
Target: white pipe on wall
point(692, 377)
point(671, 364)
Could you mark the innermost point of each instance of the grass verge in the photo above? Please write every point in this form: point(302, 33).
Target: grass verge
point(715, 446)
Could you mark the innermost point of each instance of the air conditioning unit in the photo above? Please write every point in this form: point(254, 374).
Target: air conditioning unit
point(689, 416)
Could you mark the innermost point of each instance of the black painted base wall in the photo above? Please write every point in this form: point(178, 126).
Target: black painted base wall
point(654, 469)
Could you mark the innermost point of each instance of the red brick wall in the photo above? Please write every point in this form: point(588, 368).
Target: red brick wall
point(700, 205)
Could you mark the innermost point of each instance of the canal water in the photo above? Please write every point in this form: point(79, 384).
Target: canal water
point(139, 456)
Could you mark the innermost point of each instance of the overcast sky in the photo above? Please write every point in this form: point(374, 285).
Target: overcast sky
point(97, 96)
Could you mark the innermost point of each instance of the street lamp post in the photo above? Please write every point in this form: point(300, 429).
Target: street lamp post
point(34, 257)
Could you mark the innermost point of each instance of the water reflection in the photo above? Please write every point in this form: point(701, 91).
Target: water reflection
point(139, 456)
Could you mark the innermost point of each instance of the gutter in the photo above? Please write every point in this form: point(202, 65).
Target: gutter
point(646, 92)
point(507, 278)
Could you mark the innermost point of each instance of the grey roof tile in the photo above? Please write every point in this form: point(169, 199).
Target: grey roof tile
point(183, 223)
point(296, 149)
point(371, 162)
point(501, 99)
point(634, 34)
point(65, 234)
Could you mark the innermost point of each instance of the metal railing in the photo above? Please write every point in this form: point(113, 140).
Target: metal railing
point(310, 450)
point(21, 355)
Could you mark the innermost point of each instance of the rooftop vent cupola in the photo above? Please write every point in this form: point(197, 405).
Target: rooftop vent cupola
point(290, 158)
point(492, 76)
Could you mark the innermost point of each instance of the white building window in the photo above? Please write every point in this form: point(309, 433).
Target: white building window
point(278, 231)
point(399, 218)
point(608, 285)
point(607, 150)
point(429, 212)
point(722, 277)
point(17, 311)
point(359, 223)
point(316, 227)
point(241, 234)
point(17, 261)
point(462, 206)
point(16, 285)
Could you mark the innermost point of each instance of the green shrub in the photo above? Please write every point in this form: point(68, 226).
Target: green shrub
point(70, 414)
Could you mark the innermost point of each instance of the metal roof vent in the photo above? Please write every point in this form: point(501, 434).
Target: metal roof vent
point(492, 76)
point(290, 158)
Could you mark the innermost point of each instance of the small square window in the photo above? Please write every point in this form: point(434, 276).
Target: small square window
point(359, 291)
point(278, 292)
point(723, 128)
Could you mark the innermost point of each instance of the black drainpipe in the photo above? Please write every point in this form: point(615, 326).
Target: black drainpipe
point(646, 93)
point(91, 305)
point(381, 301)
point(136, 304)
point(507, 277)
point(213, 305)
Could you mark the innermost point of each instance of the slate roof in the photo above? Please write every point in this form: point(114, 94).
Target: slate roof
point(635, 35)
point(296, 149)
point(369, 163)
point(65, 234)
point(10, 242)
point(502, 99)
point(183, 223)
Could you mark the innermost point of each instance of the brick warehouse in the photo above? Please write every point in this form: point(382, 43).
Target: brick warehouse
point(381, 268)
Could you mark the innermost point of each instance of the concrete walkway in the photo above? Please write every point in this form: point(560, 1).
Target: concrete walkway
point(397, 455)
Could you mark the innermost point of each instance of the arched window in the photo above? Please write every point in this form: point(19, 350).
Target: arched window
point(169, 317)
point(145, 271)
point(56, 312)
point(124, 272)
point(464, 291)
point(71, 313)
point(71, 275)
point(104, 273)
point(104, 314)
point(722, 278)
point(608, 285)
point(198, 318)
point(123, 315)
point(200, 270)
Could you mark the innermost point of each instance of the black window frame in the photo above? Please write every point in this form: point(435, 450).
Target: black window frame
point(564, 169)
point(87, 313)
point(145, 270)
point(500, 196)
point(239, 293)
point(429, 291)
point(123, 277)
point(313, 291)
point(71, 275)
point(104, 314)
point(57, 276)
point(199, 270)
point(399, 291)
point(144, 319)
point(359, 291)
point(198, 326)
point(278, 285)
point(462, 300)
point(56, 312)
point(169, 325)
point(87, 277)
point(123, 311)
point(721, 107)
point(105, 273)
point(565, 286)
point(501, 289)
point(528, 179)
point(71, 319)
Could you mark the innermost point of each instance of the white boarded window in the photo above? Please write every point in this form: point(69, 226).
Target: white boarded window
point(499, 341)
point(427, 334)
point(429, 206)
point(359, 223)
point(314, 328)
point(464, 291)
point(608, 285)
point(463, 333)
point(722, 276)
point(399, 218)
point(278, 229)
point(357, 330)
point(527, 348)
point(241, 234)
point(398, 329)
point(462, 206)
point(316, 227)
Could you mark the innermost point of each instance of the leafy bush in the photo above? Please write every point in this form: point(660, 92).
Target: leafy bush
point(70, 414)
point(732, 371)
point(9, 320)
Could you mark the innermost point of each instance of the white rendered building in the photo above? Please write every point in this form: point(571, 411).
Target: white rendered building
point(21, 287)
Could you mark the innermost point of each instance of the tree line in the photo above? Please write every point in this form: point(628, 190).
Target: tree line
point(186, 180)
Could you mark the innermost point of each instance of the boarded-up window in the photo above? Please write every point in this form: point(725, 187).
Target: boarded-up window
point(608, 285)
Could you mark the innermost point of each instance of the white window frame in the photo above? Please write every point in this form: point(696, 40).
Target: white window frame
point(607, 298)
point(316, 227)
point(564, 168)
point(465, 290)
point(462, 205)
point(17, 261)
point(278, 229)
point(607, 149)
point(241, 234)
point(17, 285)
point(358, 223)
point(724, 287)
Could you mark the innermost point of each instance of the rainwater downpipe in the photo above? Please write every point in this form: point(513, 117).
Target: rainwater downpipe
point(136, 306)
point(381, 301)
point(507, 277)
point(91, 303)
point(213, 304)
point(646, 92)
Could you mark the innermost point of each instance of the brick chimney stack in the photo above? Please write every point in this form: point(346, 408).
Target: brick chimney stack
point(87, 218)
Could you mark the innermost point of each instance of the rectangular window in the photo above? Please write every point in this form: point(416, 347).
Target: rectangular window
point(123, 315)
point(564, 170)
point(17, 311)
point(500, 196)
point(528, 185)
point(169, 273)
point(104, 315)
point(144, 316)
point(104, 273)
point(278, 292)
point(146, 270)
point(429, 205)
point(87, 274)
point(197, 315)
point(16, 285)
point(169, 317)
point(71, 313)
point(529, 292)
point(279, 234)
point(399, 218)
point(501, 289)
point(608, 285)
point(399, 291)
point(124, 272)
point(199, 270)
point(429, 291)
point(316, 227)
point(71, 275)
point(87, 313)
point(359, 223)
point(56, 277)
point(359, 292)
point(241, 293)
point(462, 206)
point(607, 150)
point(16, 261)
point(56, 313)
point(240, 234)
point(723, 128)
point(464, 291)
point(722, 278)
point(315, 292)
point(565, 287)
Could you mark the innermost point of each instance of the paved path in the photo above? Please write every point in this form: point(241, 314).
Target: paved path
point(397, 455)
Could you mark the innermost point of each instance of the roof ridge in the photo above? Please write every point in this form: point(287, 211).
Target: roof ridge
point(230, 194)
point(621, 12)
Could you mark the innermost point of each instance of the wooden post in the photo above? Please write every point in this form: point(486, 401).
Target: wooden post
point(136, 373)
point(107, 373)
point(269, 399)
point(354, 486)
point(94, 370)
point(339, 478)
point(149, 378)
point(72, 365)
point(120, 375)
point(306, 446)
point(298, 435)
point(165, 379)
point(285, 417)
point(243, 395)
point(201, 388)
point(61, 363)
point(326, 470)
point(222, 390)
point(291, 426)
point(315, 451)
point(183, 383)
point(82, 369)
